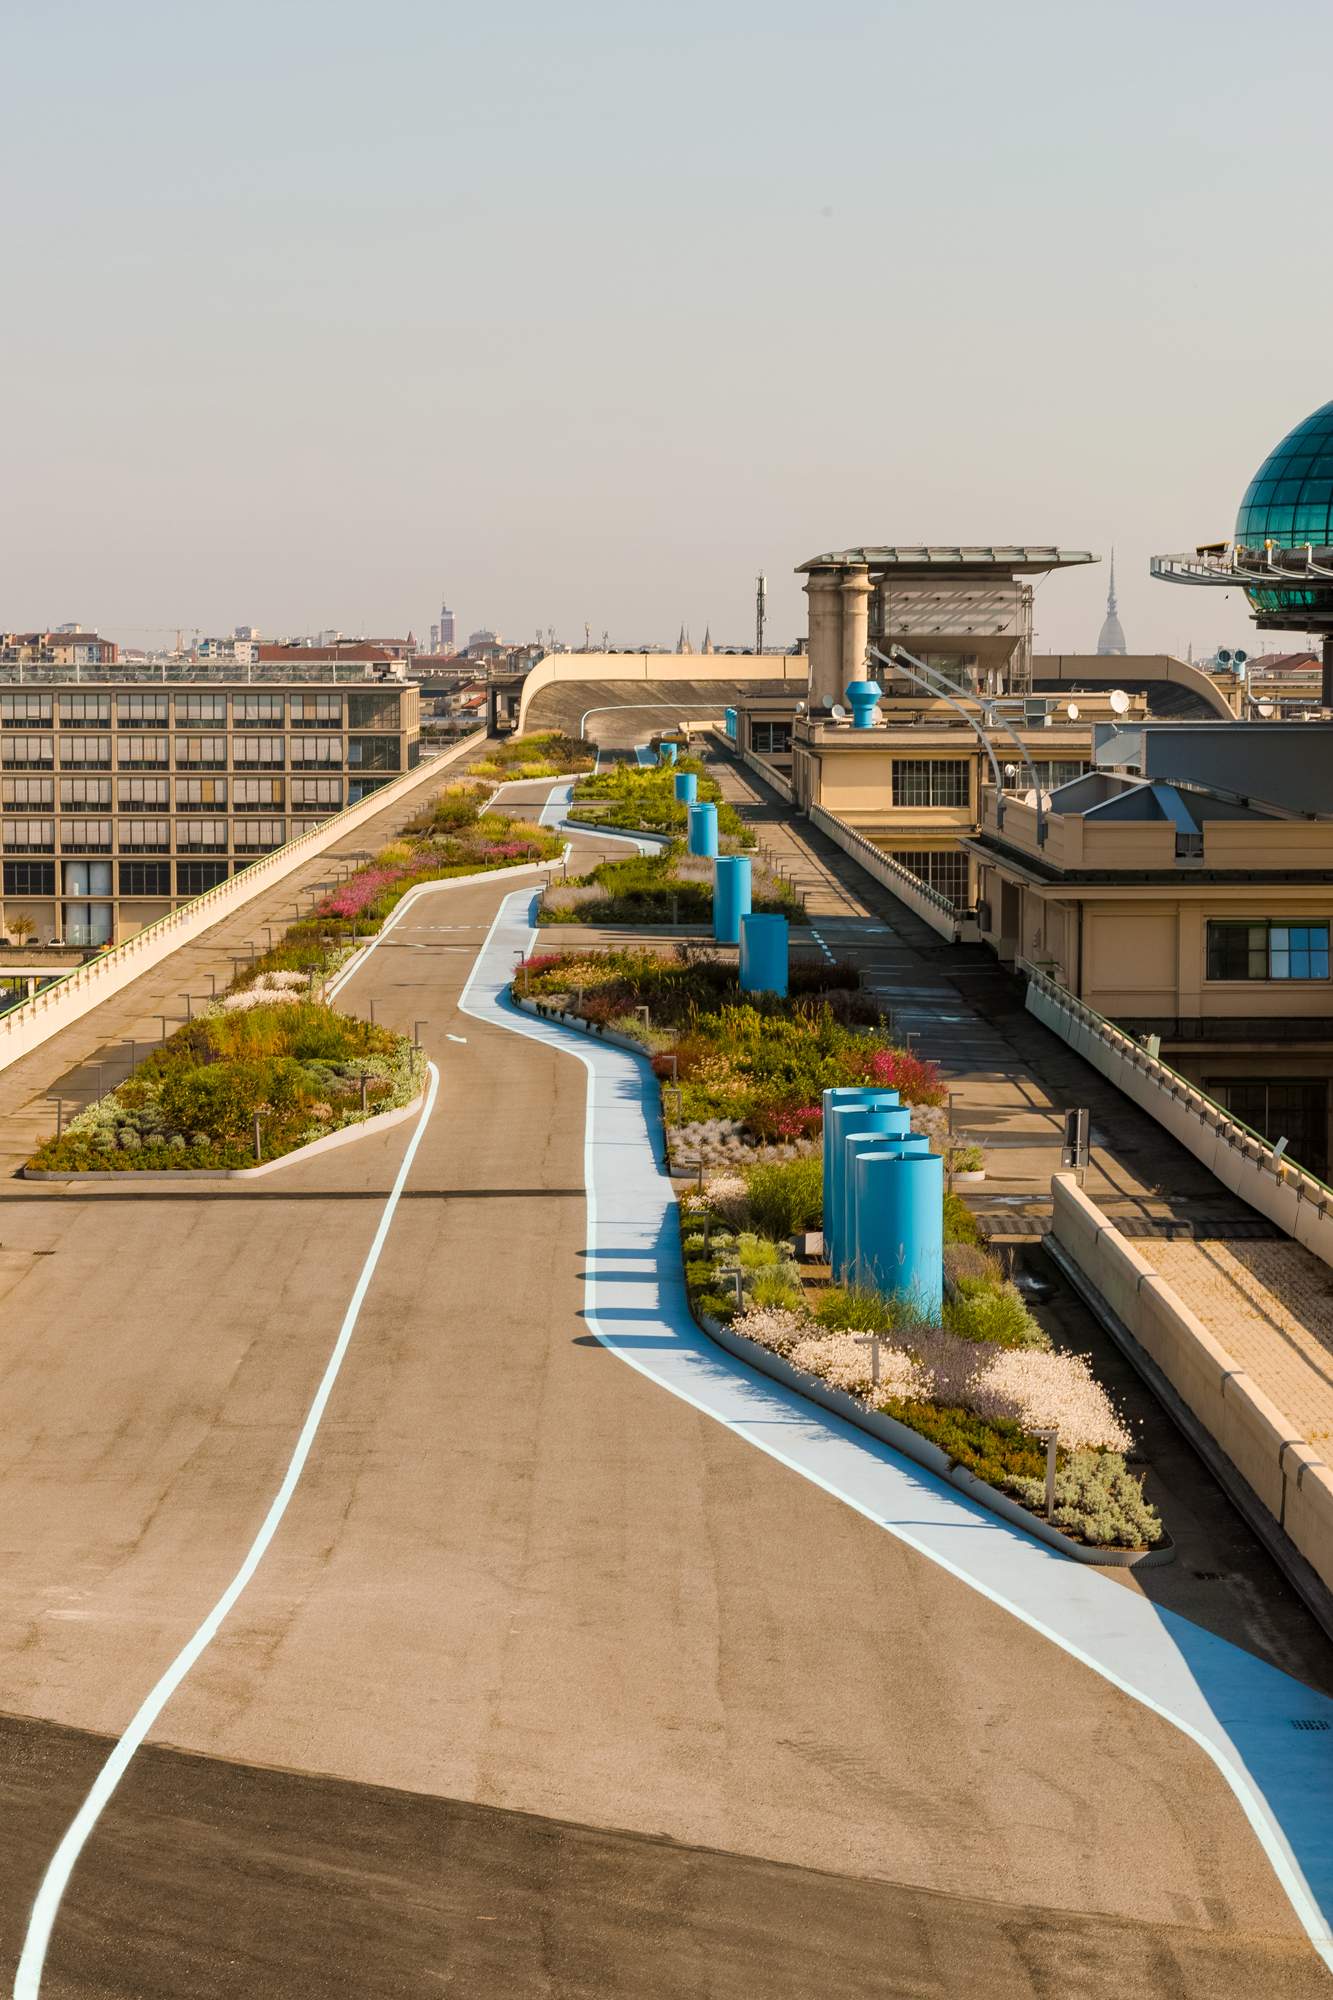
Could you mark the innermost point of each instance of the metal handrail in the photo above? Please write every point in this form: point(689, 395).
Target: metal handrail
point(896, 868)
point(1232, 1130)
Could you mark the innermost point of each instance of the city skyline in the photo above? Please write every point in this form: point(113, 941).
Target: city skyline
point(615, 396)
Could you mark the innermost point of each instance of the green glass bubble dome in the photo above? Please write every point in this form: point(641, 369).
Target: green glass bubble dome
point(1290, 502)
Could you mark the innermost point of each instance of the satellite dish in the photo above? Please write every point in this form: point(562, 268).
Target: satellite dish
point(839, 712)
point(1265, 708)
point(1029, 797)
point(1119, 702)
point(1071, 710)
point(1011, 770)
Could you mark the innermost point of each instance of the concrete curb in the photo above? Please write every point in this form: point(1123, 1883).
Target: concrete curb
point(380, 1121)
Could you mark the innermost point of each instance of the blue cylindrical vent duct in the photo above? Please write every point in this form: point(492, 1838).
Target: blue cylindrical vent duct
point(687, 787)
point(899, 1204)
point(731, 896)
point(703, 830)
point(864, 697)
point(845, 1093)
point(666, 753)
point(853, 1142)
point(879, 1115)
point(763, 953)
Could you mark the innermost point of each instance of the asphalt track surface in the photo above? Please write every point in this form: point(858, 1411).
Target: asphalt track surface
point(548, 1684)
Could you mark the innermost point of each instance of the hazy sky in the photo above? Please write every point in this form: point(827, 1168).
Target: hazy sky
point(315, 312)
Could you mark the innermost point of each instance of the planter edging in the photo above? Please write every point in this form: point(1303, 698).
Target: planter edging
point(912, 1445)
point(379, 1121)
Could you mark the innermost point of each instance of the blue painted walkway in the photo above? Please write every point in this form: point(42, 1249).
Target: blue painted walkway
point(1253, 1721)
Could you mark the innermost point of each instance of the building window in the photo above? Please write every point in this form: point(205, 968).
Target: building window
point(250, 795)
point(774, 737)
point(1294, 1109)
point(202, 753)
point(81, 794)
point(144, 753)
point(259, 836)
point(308, 792)
point(316, 753)
point(192, 793)
point(30, 836)
point(932, 781)
point(360, 788)
point(28, 792)
point(85, 753)
point(142, 711)
point(193, 877)
point(257, 711)
point(944, 869)
point(88, 710)
point(1267, 951)
point(1052, 771)
point(373, 753)
point(201, 836)
point(148, 836)
point(197, 708)
point(30, 878)
point(372, 711)
point(22, 711)
point(28, 753)
point(145, 878)
point(143, 794)
point(317, 711)
point(85, 836)
point(265, 751)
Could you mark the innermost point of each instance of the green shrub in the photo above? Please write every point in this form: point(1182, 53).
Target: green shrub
point(788, 1196)
point(757, 1253)
point(1097, 1499)
point(969, 1260)
point(982, 1309)
point(960, 1225)
point(854, 1309)
point(995, 1451)
point(774, 1288)
point(717, 1305)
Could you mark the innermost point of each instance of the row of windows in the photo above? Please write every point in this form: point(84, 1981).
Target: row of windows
point(136, 878)
point(1267, 951)
point(29, 708)
point(211, 753)
point(102, 836)
point(932, 781)
point(945, 869)
point(155, 794)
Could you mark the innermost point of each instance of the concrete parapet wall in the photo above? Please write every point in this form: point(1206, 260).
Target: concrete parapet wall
point(1298, 1203)
point(24, 1028)
point(1282, 1470)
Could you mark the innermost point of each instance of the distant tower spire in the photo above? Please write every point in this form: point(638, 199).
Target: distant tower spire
point(708, 639)
point(1112, 639)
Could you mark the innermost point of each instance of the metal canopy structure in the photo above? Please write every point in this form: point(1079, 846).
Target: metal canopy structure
point(1012, 561)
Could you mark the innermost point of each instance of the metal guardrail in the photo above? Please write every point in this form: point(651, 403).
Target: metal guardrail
point(855, 842)
point(1231, 1130)
point(108, 964)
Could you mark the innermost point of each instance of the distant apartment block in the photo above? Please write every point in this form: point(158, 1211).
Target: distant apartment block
point(69, 647)
point(122, 798)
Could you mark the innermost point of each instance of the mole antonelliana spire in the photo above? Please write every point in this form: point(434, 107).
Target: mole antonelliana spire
point(1112, 638)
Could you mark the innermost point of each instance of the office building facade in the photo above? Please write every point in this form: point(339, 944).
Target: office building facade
point(121, 799)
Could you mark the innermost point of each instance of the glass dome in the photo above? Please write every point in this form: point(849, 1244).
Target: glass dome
point(1290, 502)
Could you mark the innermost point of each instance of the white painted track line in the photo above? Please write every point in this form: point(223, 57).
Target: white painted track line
point(28, 1978)
point(1250, 1719)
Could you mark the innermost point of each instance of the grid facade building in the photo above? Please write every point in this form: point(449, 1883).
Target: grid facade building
point(119, 800)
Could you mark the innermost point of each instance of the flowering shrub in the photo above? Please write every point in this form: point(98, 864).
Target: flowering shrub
point(844, 1361)
point(728, 1197)
point(1098, 1499)
point(359, 892)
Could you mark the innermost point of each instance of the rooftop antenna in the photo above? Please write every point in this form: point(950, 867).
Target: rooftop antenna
point(760, 610)
point(1119, 701)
